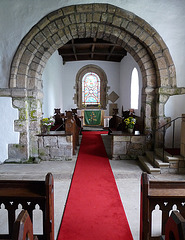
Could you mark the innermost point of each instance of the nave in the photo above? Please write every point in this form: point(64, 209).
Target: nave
point(127, 174)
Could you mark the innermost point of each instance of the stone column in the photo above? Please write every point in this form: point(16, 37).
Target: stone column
point(182, 150)
point(20, 151)
point(28, 124)
point(35, 115)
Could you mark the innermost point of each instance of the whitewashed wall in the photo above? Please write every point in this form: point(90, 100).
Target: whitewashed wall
point(52, 85)
point(59, 82)
point(7, 134)
point(126, 67)
point(59, 90)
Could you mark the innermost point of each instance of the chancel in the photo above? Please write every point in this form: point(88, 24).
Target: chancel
point(92, 95)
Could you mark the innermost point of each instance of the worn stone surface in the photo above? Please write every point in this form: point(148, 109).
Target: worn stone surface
point(17, 151)
point(119, 148)
point(121, 138)
point(50, 141)
point(128, 147)
point(55, 147)
point(182, 149)
point(138, 139)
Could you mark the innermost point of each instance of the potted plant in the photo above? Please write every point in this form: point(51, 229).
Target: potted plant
point(46, 124)
point(130, 122)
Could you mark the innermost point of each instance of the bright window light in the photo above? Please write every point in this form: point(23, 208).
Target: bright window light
point(134, 89)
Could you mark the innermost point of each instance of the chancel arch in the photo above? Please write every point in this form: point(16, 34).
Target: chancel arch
point(102, 21)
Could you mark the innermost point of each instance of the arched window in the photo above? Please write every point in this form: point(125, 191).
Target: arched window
point(91, 89)
point(134, 89)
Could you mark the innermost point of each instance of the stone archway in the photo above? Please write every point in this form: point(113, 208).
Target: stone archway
point(105, 22)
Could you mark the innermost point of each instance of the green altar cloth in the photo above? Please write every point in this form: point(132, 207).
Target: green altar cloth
point(92, 117)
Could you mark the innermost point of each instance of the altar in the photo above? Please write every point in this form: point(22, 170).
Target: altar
point(93, 117)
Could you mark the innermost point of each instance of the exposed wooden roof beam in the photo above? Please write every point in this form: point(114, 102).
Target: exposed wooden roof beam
point(91, 48)
point(111, 51)
point(94, 53)
point(74, 50)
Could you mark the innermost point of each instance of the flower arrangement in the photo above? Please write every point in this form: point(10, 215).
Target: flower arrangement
point(99, 106)
point(130, 122)
point(47, 123)
point(84, 105)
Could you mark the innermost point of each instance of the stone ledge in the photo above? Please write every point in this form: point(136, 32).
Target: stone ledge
point(127, 146)
point(55, 145)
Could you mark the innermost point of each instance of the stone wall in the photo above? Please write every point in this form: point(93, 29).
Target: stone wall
point(183, 136)
point(127, 146)
point(53, 147)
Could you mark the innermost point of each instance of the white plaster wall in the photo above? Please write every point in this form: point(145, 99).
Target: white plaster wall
point(126, 67)
point(8, 115)
point(65, 81)
point(52, 85)
point(177, 104)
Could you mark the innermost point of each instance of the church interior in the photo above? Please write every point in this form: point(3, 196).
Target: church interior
point(106, 77)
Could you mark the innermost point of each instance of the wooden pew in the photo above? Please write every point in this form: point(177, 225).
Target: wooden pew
point(165, 194)
point(175, 227)
point(23, 227)
point(77, 119)
point(71, 127)
point(59, 120)
point(29, 194)
point(116, 123)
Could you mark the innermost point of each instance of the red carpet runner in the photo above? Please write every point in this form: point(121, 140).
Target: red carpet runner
point(94, 209)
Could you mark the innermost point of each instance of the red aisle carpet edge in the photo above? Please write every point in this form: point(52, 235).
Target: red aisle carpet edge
point(94, 209)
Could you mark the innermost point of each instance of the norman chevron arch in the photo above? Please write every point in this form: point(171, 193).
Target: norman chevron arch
point(105, 22)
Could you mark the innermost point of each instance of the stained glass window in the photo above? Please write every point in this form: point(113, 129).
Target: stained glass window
point(91, 89)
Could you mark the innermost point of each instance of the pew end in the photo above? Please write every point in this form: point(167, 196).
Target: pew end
point(23, 227)
point(29, 194)
point(175, 227)
point(159, 196)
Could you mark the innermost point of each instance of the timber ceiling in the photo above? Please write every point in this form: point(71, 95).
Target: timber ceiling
point(91, 49)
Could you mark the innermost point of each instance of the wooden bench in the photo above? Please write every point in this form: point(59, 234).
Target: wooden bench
point(175, 227)
point(116, 124)
point(71, 127)
point(29, 194)
point(23, 227)
point(59, 117)
point(165, 195)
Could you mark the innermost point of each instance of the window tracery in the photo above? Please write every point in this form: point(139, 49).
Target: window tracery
point(91, 88)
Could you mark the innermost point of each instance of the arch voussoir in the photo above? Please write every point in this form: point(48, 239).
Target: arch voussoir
point(102, 21)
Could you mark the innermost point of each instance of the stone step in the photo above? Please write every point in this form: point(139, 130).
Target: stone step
point(148, 166)
point(159, 152)
point(167, 156)
point(172, 160)
point(157, 160)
